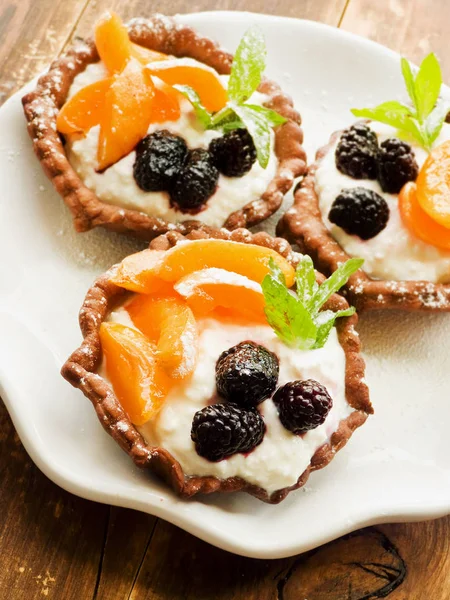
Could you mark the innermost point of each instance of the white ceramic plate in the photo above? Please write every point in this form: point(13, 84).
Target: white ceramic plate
point(395, 468)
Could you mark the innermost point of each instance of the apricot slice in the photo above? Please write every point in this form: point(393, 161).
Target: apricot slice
point(145, 55)
point(433, 185)
point(203, 80)
point(115, 48)
point(128, 106)
point(112, 42)
point(166, 105)
point(142, 272)
point(139, 383)
point(85, 109)
point(139, 267)
point(171, 325)
point(419, 222)
point(208, 289)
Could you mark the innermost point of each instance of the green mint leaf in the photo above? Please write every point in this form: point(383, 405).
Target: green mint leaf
point(436, 120)
point(325, 321)
point(295, 318)
point(276, 272)
point(231, 125)
point(290, 320)
point(272, 117)
point(409, 81)
point(200, 111)
point(226, 120)
point(400, 119)
point(424, 122)
point(222, 116)
point(305, 278)
point(334, 283)
point(259, 128)
point(248, 66)
point(427, 86)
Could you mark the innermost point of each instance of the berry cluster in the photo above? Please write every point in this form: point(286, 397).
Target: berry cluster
point(164, 163)
point(360, 211)
point(359, 156)
point(246, 375)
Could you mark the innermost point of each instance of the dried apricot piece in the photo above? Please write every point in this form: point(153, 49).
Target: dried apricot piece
point(85, 109)
point(186, 257)
point(127, 115)
point(203, 80)
point(208, 289)
point(171, 325)
point(145, 55)
point(138, 268)
point(433, 185)
point(166, 105)
point(139, 383)
point(112, 42)
point(419, 222)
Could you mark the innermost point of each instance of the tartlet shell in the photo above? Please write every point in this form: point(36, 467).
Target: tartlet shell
point(302, 224)
point(80, 371)
point(163, 34)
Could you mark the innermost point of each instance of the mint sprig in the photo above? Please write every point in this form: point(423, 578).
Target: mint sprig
point(200, 111)
point(297, 318)
point(423, 120)
point(247, 69)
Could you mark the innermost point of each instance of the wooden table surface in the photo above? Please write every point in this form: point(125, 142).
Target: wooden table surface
point(55, 545)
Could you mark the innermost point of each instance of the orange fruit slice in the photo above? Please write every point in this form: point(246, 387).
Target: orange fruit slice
point(112, 42)
point(433, 185)
point(203, 80)
point(85, 109)
point(166, 105)
point(138, 381)
point(208, 289)
point(145, 55)
point(127, 115)
point(139, 267)
point(143, 272)
point(419, 222)
point(115, 48)
point(171, 325)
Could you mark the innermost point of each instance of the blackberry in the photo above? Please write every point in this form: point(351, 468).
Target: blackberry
point(234, 153)
point(195, 182)
point(357, 151)
point(396, 165)
point(247, 374)
point(159, 157)
point(360, 211)
point(302, 405)
point(220, 430)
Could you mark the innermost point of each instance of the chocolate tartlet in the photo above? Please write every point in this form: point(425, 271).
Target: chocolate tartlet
point(303, 224)
point(81, 370)
point(164, 35)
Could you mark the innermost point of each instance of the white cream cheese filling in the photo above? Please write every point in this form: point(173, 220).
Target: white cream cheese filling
point(395, 253)
point(117, 186)
point(282, 456)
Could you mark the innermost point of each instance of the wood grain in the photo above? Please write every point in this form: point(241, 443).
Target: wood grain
point(55, 545)
point(412, 27)
point(32, 32)
point(50, 540)
point(327, 11)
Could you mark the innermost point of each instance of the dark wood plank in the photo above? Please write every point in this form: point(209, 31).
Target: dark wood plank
point(327, 11)
point(129, 534)
point(32, 32)
point(412, 27)
point(388, 561)
point(50, 540)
